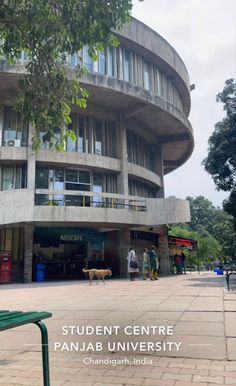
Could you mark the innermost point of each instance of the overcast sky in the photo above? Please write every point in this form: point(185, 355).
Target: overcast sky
point(203, 32)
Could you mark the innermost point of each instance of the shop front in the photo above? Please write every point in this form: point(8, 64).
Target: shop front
point(179, 246)
point(62, 252)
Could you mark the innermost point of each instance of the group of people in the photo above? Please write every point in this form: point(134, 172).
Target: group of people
point(180, 263)
point(150, 264)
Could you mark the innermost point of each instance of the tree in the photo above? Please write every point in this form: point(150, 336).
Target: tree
point(47, 30)
point(202, 215)
point(210, 225)
point(221, 159)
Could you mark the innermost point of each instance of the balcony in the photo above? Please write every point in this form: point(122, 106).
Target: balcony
point(88, 208)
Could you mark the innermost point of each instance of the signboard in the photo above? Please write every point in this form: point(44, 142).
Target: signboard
point(53, 236)
point(188, 243)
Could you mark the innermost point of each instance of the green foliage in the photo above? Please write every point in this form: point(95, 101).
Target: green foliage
point(221, 159)
point(46, 31)
point(212, 227)
point(201, 215)
point(208, 247)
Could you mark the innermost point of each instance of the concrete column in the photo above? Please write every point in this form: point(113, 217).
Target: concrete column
point(31, 164)
point(1, 124)
point(158, 167)
point(122, 179)
point(123, 247)
point(28, 252)
point(164, 251)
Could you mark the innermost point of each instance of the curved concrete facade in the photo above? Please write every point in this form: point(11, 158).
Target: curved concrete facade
point(110, 181)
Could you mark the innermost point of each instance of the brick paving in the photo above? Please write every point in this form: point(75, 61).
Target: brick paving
point(198, 307)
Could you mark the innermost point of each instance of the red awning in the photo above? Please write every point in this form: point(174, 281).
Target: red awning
point(182, 241)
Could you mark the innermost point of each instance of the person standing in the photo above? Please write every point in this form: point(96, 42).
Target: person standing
point(146, 267)
point(153, 263)
point(183, 263)
point(132, 264)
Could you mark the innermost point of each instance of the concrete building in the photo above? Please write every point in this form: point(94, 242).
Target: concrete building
point(84, 206)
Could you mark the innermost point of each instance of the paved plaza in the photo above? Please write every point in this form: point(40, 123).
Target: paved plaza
point(183, 333)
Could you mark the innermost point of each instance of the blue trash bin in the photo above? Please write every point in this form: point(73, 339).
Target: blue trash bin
point(40, 272)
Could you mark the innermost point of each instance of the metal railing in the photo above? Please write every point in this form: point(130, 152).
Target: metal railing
point(45, 197)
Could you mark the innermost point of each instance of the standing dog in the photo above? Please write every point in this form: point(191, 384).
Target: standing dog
point(97, 274)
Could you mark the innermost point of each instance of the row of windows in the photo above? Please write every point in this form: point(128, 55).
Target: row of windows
point(131, 67)
point(14, 177)
point(127, 65)
point(75, 179)
point(92, 136)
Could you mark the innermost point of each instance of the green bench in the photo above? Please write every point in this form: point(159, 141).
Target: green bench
point(11, 319)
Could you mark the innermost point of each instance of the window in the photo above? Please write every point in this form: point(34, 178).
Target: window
point(42, 178)
point(81, 138)
point(87, 60)
point(110, 139)
point(157, 81)
point(13, 177)
point(58, 184)
point(77, 180)
point(101, 62)
point(73, 60)
point(15, 131)
point(137, 188)
point(111, 183)
point(8, 178)
point(23, 55)
point(126, 65)
point(72, 145)
point(98, 138)
point(110, 61)
point(146, 77)
point(98, 188)
point(139, 150)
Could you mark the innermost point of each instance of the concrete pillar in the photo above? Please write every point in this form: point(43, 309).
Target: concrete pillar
point(159, 168)
point(31, 161)
point(164, 251)
point(28, 252)
point(122, 179)
point(123, 247)
point(1, 124)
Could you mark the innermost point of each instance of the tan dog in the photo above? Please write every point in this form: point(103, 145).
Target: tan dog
point(97, 273)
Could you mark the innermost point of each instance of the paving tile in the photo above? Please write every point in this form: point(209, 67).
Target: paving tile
point(200, 328)
point(192, 304)
point(214, 379)
point(230, 305)
point(214, 317)
point(230, 324)
point(231, 348)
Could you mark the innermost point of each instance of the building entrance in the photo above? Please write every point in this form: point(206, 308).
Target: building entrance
point(64, 252)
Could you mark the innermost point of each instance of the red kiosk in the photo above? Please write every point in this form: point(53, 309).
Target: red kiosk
point(5, 267)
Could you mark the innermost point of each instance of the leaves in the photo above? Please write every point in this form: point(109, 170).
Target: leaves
point(46, 31)
point(211, 226)
point(221, 159)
